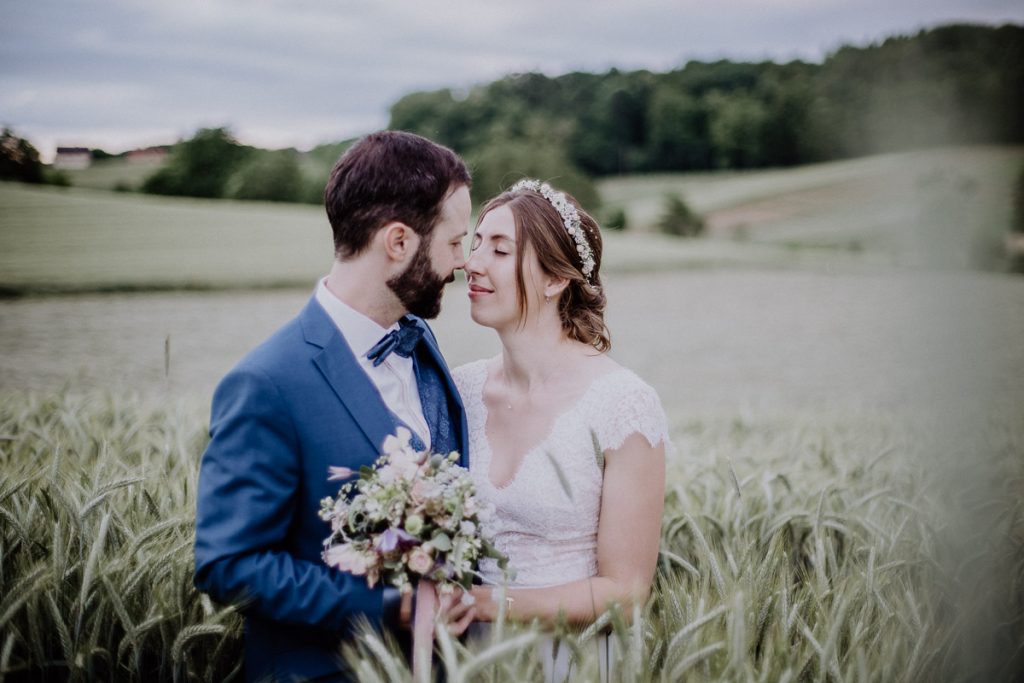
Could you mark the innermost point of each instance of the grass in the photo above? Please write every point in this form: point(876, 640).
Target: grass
point(799, 547)
point(86, 240)
point(947, 207)
point(97, 510)
point(942, 207)
point(73, 240)
point(108, 174)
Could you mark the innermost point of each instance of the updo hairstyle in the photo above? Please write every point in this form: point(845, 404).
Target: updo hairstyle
point(581, 304)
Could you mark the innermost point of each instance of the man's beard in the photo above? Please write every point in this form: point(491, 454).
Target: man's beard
point(419, 288)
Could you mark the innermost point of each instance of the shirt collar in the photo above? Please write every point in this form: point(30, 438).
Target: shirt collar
point(359, 331)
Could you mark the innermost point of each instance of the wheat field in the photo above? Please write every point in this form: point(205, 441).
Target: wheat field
point(831, 548)
point(846, 498)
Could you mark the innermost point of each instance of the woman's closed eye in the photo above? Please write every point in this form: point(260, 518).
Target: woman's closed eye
point(499, 251)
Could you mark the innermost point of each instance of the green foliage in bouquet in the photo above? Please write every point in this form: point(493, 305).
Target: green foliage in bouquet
point(413, 514)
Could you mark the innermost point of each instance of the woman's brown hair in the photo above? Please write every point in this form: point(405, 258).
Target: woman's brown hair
point(581, 304)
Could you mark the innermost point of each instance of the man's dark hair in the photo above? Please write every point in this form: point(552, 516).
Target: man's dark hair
point(389, 176)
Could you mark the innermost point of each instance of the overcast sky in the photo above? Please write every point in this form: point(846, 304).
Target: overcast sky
point(123, 73)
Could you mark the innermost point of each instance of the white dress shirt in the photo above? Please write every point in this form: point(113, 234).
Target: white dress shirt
point(395, 378)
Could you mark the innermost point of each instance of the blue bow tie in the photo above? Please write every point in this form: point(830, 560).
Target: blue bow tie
point(402, 341)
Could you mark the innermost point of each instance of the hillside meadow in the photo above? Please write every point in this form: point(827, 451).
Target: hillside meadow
point(114, 173)
point(843, 503)
point(947, 208)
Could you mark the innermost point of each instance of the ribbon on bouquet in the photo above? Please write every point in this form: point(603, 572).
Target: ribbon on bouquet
point(423, 630)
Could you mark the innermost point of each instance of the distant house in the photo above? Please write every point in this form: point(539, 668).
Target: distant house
point(72, 158)
point(150, 155)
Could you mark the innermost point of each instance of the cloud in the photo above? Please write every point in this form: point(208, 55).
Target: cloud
point(302, 71)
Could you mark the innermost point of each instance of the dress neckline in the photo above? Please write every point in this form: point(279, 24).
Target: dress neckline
point(486, 439)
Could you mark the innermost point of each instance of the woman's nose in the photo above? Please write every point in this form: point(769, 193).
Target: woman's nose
point(472, 263)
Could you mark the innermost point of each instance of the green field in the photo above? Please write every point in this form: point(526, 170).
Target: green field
point(946, 208)
point(111, 174)
point(793, 549)
point(74, 240)
point(838, 358)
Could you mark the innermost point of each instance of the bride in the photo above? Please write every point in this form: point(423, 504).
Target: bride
point(568, 445)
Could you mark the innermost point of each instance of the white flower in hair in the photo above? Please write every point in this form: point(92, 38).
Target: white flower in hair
point(570, 219)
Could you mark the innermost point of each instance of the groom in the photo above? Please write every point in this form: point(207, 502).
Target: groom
point(325, 390)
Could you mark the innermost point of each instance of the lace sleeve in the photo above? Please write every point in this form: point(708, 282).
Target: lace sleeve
point(632, 407)
point(468, 377)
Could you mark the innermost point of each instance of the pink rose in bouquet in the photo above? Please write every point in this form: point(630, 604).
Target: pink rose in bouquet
point(411, 515)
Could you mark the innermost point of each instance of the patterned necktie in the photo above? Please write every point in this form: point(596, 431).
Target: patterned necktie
point(431, 387)
point(434, 400)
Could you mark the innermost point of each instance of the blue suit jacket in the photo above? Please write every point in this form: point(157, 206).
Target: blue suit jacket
point(295, 405)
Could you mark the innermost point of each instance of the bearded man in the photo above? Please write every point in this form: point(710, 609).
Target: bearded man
point(324, 391)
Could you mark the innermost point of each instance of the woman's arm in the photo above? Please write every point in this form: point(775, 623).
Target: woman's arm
point(628, 533)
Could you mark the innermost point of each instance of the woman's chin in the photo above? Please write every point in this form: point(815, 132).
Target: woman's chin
point(481, 318)
point(477, 318)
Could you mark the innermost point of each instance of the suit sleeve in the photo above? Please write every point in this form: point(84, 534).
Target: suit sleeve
point(248, 486)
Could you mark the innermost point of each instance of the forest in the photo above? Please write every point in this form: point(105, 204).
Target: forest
point(951, 85)
point(957, 84)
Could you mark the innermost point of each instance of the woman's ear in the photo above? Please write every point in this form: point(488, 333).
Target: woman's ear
point(554, 285)
point(400, 241)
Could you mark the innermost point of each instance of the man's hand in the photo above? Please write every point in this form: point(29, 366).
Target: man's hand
point(405, 609)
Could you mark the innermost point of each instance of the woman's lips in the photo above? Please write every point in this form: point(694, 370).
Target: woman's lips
point(478, 291)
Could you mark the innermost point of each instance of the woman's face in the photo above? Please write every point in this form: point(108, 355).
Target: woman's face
point(491, 271)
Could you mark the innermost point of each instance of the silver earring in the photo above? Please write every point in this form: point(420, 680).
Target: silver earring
point(547, 299)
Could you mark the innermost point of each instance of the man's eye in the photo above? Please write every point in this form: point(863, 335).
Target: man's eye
point(500, 252)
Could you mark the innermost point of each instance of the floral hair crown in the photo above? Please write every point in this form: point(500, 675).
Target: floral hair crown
point(570, 219)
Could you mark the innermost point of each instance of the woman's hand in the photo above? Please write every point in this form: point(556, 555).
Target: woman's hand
point(458, 610)
point(486, 608)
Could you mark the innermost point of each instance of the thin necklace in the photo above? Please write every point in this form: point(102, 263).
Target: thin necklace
point(508, 395)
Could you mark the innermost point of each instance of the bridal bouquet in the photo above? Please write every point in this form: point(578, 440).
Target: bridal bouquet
point(412, 515)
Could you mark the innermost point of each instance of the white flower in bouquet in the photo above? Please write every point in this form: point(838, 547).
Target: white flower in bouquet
point(413, 514)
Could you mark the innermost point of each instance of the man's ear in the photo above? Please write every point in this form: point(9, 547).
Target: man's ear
point(400, 241)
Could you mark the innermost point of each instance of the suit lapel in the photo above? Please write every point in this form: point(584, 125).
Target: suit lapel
point(347, 379)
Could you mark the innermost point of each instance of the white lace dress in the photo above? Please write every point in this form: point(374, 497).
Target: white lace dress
point(549, 533)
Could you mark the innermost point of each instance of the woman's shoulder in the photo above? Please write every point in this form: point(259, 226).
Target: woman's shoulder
point(626, 404)
point(471, 376)
point(618, 382)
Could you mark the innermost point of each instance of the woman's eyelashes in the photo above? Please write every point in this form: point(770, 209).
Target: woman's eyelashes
point(499, 251)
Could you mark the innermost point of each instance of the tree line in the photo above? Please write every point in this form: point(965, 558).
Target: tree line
point(957, 84)
point(214, 164)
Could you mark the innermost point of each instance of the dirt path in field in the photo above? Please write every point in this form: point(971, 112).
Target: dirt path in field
point(707, 340)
